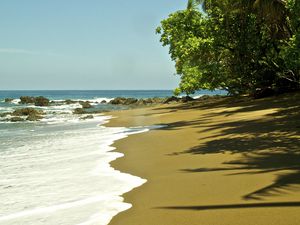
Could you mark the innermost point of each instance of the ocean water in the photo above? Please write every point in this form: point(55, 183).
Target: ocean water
point(57, 171)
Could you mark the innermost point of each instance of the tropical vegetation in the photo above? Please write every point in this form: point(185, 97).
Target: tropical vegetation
point(242, 46)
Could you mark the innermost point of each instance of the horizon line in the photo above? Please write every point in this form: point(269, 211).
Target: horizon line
point(86, 89)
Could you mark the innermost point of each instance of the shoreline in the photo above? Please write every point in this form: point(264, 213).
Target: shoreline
point(73, 161)
point(215, 163)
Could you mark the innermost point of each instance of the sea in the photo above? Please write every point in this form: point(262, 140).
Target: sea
point(57, 170)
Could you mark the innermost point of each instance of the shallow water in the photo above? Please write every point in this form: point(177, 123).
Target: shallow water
point(57, 171)
point(60, 174)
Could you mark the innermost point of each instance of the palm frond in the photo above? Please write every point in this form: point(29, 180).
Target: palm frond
point(192, 4)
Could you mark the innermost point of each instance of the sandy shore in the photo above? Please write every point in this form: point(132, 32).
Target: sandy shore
point(222, 162)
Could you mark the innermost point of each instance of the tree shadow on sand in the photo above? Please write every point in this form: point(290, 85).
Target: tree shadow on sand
point(234, 206)
point(270, 144)
point(285, 162)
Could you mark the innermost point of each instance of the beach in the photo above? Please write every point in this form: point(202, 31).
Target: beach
point(215, 162)
point(55, 154)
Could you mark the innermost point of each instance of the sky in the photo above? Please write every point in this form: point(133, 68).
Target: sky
point(84, 45)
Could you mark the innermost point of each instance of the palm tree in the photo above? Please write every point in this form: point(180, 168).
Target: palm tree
point(274, 13)
point(192, 4)
point(271, 12)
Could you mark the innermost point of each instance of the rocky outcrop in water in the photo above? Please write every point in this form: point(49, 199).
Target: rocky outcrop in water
point(37, 101)
point(8, 100)
point(27, 112)
point(34, 117)
point(85, 105)
point(133, 102)
point(136, 102)
point(123, 101)
point(171, 99)
point(32, 114)
point(41, 101)
point(89, 111)
point(26, 100)
point(69, 101)
point(78, 111)
point(86, 117)
point(5, 114)
point(16, 119)
point(186, 99)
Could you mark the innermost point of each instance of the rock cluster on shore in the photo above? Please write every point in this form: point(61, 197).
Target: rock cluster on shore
point(85, 105)
point(147, 101)
point(42, 101)
point(85, 111)
point(152, 101)
point(31, 114)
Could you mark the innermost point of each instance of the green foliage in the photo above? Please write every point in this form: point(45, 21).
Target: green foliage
point(235, 45)
point(290, 48)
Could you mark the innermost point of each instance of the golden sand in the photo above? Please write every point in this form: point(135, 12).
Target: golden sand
point(218, 162)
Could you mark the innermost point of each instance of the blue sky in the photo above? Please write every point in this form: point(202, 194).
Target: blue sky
point(84, 44)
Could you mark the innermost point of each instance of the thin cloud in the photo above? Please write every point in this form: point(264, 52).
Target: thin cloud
point(18, 51)
point(25, 52)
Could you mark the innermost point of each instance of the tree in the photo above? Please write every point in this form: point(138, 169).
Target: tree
point(235, 45)
point(290, 48)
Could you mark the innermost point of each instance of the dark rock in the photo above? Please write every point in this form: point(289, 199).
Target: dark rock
point(103, 102)
point(171, 99)
point(148, 101)
point(158, 100)
point(86, 117)
point(98, 111)
point(208, 98)
point(130, 101)
point(263, 92)
point(32, 114)
point(136, 102)
point(37, 101)
point(141, 102)
point(8, 100)
point(34, 117)
point(16, 119)
point(69, 101)
point(5, 114)
point(187, 99)
point(123, 101)
point(79, 111)
point(41, 101)
point(85, 105)
point(26, 100)
point(27, 112)
point(118, 101)
point(204, 97)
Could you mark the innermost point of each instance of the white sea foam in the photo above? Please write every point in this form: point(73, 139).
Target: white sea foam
point(99, 100)
point(16, 101)
point(64, 106)
point(61, 175)
point(197, 96)
point(5, 109)
point(65, 118)
point(194, 97)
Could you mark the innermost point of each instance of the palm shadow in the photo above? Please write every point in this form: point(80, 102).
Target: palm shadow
point(286, 163)
point(270, 144)
point(233, 206)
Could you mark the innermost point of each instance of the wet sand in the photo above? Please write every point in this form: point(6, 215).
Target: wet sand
point(217, 162)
